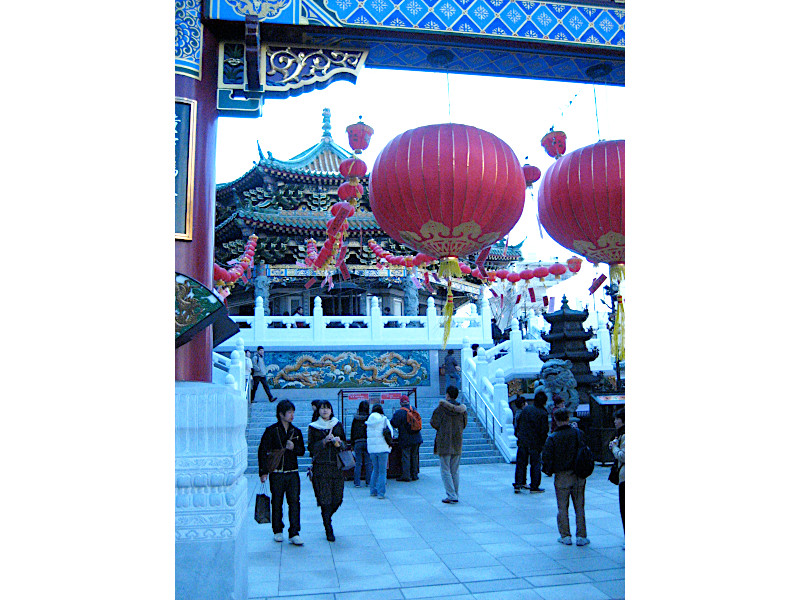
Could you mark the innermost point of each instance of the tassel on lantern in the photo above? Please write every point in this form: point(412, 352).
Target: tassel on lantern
point(617, 272)
point(449, 267)
point(448, 314)
point(618, 335)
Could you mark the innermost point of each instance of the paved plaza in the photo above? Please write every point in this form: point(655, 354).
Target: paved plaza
point(493, 544)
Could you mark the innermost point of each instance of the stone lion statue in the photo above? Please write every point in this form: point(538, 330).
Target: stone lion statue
point(555, 378)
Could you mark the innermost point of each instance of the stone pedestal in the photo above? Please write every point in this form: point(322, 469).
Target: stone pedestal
point(210, 492)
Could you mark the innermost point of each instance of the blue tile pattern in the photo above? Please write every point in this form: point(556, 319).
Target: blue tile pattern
point(188, 38)
point(268, 11)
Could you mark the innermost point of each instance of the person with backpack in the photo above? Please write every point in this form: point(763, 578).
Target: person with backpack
point(409, 425)
point(562, 456)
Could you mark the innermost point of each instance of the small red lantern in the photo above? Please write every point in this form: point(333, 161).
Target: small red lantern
point(348, 191)
point(353, 167)
point(555, 143)
point(541, 273)
point(502, 274)
point(532, 174)
point(359, 135)
point(557, 269)
point(514, 277)
point(464, 268)
point(574, 264)
point(527, 275)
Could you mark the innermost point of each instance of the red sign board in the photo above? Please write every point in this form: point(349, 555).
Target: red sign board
point(390, 396)
point(358, 396)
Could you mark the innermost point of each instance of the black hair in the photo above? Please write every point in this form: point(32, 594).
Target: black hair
point(452, 391)
point(540, 399)
point(449, 351)
point(363, 407)
point(561, 414)
point(259, 348)
point(320, 404)
point(377, 408)
point(283, 407)
point(620, 414)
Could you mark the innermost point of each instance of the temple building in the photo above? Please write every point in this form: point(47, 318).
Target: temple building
point(286, 202)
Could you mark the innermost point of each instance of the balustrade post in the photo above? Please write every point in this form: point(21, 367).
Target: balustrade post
point(317, 324)
point(517, 349)
point(502, 410)
point(375, 322)
point(431, 320)
point(236, 368)
point(481, 367)
point(258, 322)
point(466, 353)
point(486, 322)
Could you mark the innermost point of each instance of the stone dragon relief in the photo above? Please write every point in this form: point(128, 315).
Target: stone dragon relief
point(388, 369)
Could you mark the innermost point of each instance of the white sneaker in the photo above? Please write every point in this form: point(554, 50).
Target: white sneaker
point(566, 540)
point(278, 537)
point(296, 540)
point(579, 541)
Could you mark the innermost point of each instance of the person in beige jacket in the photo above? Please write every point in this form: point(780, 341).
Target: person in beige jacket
point(449, 420)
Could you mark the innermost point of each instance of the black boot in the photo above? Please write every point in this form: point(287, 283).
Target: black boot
point(326, 521)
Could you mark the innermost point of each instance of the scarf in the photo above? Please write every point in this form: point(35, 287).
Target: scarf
point(324, 425)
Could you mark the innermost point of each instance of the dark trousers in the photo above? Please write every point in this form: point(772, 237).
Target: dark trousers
point(288, 484)
point(622, 504)
point(410, 461)
point(263, 381)
point(527, 455)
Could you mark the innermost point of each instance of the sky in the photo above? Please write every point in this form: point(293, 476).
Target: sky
point(518, 111)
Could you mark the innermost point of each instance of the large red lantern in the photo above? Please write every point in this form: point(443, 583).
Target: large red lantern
point(582, 203)
point(447, 190)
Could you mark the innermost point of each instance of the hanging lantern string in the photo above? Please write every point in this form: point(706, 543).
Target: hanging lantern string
point(596, 118)
point(565, 109)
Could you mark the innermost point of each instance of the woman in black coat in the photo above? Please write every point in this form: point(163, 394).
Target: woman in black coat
point(326, 438)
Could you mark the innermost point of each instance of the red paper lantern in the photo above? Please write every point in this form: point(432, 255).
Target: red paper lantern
point(557, 269)
point(476, 273)
point(359, 135)
point(502, 274)
point(574, 264)
point(532, 174)
point(514, 277)
point(348, 191)
point(465, 269)
point(353, 167)
point(527, 275)
point(447, 190)
point(582, 203)
point(555, 143)
point(541, 272)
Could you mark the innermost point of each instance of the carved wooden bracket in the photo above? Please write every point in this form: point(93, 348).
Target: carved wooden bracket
point(252, 45)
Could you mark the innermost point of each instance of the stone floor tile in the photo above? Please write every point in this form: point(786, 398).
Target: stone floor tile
point(563, 579)
point(442, 547)
point(376, 584)
point(509, 549)
point(591, 563)
point(389, 544)
point(520, 594)
point(469, 559)
point(330, 596)
point(497, 585)
point(261, 589)
point(606, 574)
point(614, 588)
point(411, 557)
point(263, 573)
point(423, 574)
point(363, 569)
point(384, 594)
point(482, 573)
point(435, 591)
point(582, 591)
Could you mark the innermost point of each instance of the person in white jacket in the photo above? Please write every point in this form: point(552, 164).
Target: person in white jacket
point(378, 451)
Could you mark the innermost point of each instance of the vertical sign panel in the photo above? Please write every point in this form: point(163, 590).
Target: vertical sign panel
point(185, 126)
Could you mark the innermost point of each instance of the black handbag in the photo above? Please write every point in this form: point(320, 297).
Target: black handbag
point(613, 475)
point(262, 506)
point(346, 460)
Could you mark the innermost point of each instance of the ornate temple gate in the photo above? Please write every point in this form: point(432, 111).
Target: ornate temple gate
point(232, 54)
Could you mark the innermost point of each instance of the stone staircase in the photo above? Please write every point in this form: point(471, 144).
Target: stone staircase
point(478, 448)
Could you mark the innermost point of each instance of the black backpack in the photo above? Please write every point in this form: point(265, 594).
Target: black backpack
point(584, 459)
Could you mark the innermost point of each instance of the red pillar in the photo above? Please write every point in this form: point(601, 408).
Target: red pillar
point(195, 258)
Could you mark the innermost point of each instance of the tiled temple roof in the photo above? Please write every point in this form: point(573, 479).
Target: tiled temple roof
point(299, 221)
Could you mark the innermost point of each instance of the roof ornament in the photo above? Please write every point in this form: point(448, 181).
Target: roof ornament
point(260, 153)
point(326, 125)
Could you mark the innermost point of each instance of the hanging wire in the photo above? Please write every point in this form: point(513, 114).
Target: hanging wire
point(565, 109)
point(596, 118)
point(449, 116)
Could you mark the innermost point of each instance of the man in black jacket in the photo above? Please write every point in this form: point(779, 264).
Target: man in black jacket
point(531, 429)
point(285, 479)
point(558, 457)
point(408, 440)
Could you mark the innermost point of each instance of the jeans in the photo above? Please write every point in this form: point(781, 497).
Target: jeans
point(622, 504)
point(448, 464)
point(362, 457)
point(263, 381)
point(568, 485)
point(524, 456)
point(452, 379)
point(289, 484)
point(409, 459)
point(377, 483)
